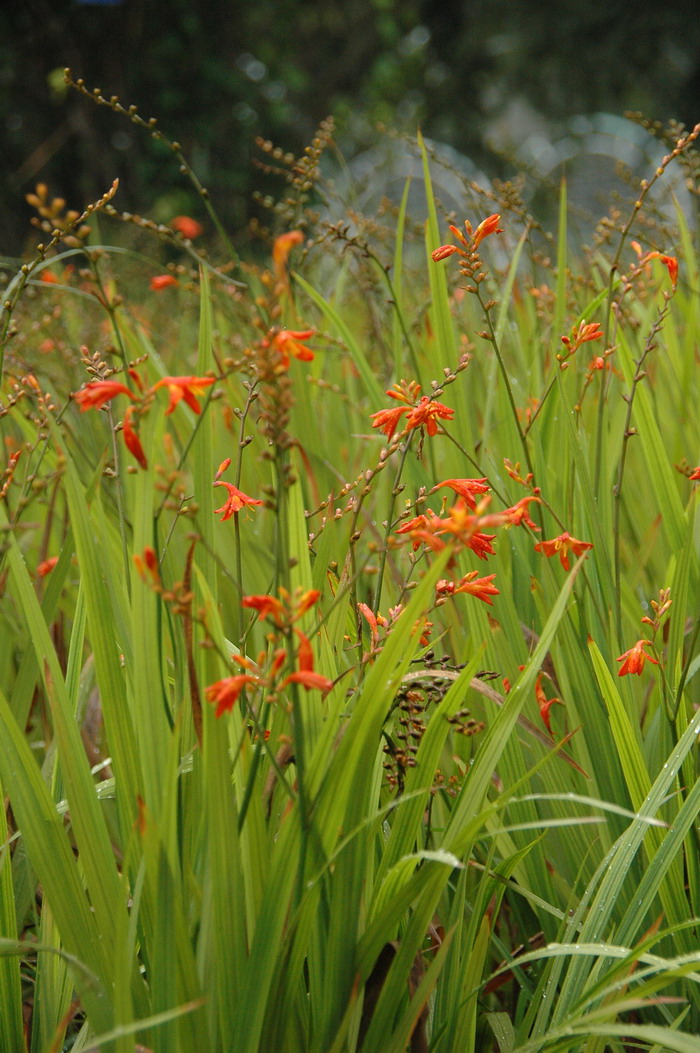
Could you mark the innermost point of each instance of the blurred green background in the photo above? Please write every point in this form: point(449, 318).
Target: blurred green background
point(485, 77)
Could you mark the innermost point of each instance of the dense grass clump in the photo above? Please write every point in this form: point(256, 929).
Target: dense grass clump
point(350, 633)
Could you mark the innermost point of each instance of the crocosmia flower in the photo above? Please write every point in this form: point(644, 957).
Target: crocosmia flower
point(131, 439)
point(561, 546)
point(545, 704)
point(469, 489)
point(290, 342)
point(281, 249)
point(188, 227)
point(482, 588)
point(46, 566)
point(235, 501)
point(99, 392)
point(225, 693)
point(162, 281)
point(473, 239)
point(634, 659)
point(180, 388)
point(424, 413)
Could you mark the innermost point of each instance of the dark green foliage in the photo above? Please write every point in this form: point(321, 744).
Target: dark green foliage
point(217, 74)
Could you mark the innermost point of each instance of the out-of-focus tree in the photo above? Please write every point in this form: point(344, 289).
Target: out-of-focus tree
point(216, 73)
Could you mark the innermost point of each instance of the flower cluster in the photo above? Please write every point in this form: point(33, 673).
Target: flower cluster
point(97, 393)
point(467, 248)
point(379, 624)
point(469, 244)
point(669, 262)
point(419, 411)
point(266, 673)
point(236, 499)
point(586, 332)
point(633, 660)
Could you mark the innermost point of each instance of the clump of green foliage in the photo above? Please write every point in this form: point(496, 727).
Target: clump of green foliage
point(350, 603)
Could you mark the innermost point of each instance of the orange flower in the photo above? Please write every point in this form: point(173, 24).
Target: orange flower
point(289, 342)
point(545, 704)
point(443, 252)
point(188, 227)
point(466, 488)
point(374, 621)
point(586, 332)
point(422, 413)
point(265, 606)
point(695, 474)
point(561, 546)
point(46, 566)
point(388, 419)
point(95, 394)
point(480, 544)
point(235, 501)
point(419, 524)
point(286, 609)
point(146, 564)
point(519, 513)
point(226, 692)
point(162, 281)
point(482, 588)
point(131, 439)
point(670, 262)
point(426, 414)
point(309, 680)
point(281, 249)
point(306, 601)
point(634, 659)
point(487, 227)
point(183, 388)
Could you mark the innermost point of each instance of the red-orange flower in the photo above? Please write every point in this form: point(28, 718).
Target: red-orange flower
point(281, 249)
point(695, 474)
point(669, 262)
point(188, 227)
point(162, 281)
point(419, 524)
point(634, 659)
point(561, 546)
point(487, 227)
point(466, 488)
point(426, 414)
point(95, 394)
point(46, 566)
point(235, 501)
point(147, 566)
point(388, 419)
point(373, 620)
point(308, 679)
point(265, 606)
point(180, 388)
point(443, 252)
point(482, 588)
point(519, 513)
point(586, 332)
point(545, 704)
point(474, 238)
point(225, 693)
point(289, 342)
point(131, 439)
